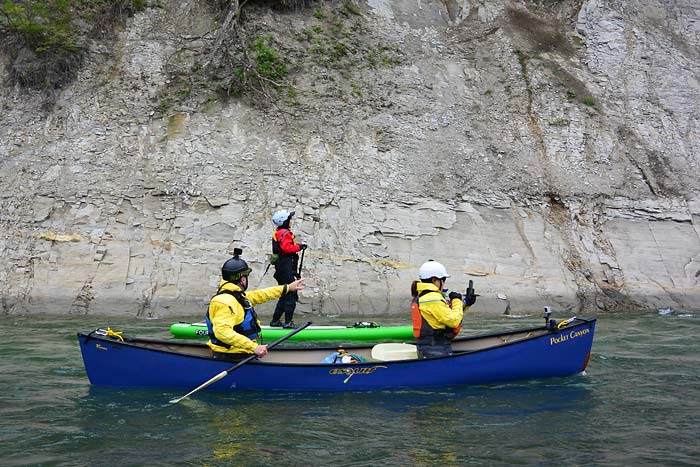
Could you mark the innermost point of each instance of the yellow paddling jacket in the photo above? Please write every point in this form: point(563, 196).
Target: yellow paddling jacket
point(226, 316)
point(436, 311)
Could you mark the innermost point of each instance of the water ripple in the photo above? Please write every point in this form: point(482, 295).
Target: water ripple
point(634, 406)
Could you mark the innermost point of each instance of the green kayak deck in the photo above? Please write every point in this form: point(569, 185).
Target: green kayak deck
point(312, 333)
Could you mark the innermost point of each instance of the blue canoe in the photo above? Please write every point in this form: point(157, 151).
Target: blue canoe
point(537, 352)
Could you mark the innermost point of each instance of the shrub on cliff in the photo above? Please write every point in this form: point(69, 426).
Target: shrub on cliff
point(44, 41)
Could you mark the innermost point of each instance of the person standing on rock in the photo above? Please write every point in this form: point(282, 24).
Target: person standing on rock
point(436, 319)
point(231, 320)
point(285, 251)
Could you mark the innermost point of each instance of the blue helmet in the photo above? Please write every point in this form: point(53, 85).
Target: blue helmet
point(281, 216)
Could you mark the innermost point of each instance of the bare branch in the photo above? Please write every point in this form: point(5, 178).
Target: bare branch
point(233, 12)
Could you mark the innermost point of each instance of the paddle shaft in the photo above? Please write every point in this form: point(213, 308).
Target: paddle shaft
point(239, 364)
point(301, 261)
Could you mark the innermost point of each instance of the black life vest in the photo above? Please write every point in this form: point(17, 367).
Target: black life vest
point(286, 265)
point(249, 327)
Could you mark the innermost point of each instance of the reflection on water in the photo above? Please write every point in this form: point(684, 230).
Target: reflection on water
point(635, 404)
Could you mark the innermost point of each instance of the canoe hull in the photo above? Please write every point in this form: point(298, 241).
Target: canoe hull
point(321, 333)
point(109, 362)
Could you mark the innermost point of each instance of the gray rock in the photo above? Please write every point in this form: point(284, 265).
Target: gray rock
point(545, 151)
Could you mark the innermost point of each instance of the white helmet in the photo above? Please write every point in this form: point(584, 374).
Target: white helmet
point(432, 269)
point(281, 216)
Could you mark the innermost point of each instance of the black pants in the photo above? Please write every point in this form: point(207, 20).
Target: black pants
point(287, 302)
point(427, 351)
point(285, 306)
point(435, 346)
point(229, 357)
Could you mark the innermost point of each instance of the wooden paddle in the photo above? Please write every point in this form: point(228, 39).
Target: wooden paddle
point(239, 364)
point(394, 351)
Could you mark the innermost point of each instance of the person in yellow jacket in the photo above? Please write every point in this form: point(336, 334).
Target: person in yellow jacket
point(231, 320)
point(436, 318)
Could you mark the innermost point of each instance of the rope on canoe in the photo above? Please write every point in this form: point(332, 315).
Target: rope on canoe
point(116, 334)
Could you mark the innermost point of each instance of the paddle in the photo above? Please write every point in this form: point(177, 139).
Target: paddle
point(239, 364)
point(394, 351)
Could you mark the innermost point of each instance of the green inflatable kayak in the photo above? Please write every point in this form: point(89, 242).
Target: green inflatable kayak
point(357, 332)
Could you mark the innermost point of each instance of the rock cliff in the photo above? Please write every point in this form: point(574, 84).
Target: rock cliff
point(549, 151)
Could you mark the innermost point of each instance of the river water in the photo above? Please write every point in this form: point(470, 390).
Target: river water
point(637, 404)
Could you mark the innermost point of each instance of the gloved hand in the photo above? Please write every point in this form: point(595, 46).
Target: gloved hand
point(456, 295)
point(469, 300)
point(302, 246)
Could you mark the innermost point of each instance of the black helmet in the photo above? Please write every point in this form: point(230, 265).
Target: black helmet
point(234, 268)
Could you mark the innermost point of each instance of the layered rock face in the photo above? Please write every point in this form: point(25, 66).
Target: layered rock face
point(548, 151)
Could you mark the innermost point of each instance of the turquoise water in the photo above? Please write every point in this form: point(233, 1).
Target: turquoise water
point(637, 404)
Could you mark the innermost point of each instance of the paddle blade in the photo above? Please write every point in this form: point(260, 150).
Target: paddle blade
point(201, 386)
point(394, 351)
